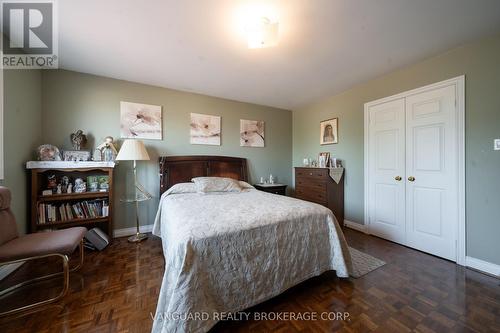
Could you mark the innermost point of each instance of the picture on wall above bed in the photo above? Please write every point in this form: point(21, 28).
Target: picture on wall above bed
point(329, 131)
point(205, 129)
point(140, 121)
point(251, 133)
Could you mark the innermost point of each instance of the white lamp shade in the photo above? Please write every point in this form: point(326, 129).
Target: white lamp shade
point(132, 150)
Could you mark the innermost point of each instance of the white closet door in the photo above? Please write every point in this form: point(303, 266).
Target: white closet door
point(387, 170)
point(431, 171)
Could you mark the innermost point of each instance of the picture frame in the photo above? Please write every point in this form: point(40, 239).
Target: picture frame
point(252, 133)
point(140, 121)
point(205, 129)
point(92, 183)
point(324, 160)
point(329, 131)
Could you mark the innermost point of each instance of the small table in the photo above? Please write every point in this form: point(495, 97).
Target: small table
point(272, 188)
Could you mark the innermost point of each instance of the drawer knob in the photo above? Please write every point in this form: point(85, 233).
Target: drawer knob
point(310, 174)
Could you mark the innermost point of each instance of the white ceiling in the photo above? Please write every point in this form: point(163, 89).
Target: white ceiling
point(326, 46)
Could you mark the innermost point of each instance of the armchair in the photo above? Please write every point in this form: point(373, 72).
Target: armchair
point(15, 248)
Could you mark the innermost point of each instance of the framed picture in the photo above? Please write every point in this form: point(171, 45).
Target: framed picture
point(324, 160)
point(92, 183)
point(103, 183)
point(140, 121)
point(205, 129)
point(251, 133)
point(329, 132)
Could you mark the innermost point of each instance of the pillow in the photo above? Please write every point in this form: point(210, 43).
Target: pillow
point(245, 185)
point(216, 184)
point(182, 188)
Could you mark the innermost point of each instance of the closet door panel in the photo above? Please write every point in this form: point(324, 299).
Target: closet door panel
point(386, 166)
point(431, 169)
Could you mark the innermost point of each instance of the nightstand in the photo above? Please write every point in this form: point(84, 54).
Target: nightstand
point(272, 188)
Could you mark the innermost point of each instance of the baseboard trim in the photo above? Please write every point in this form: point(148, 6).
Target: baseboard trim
point(356, 226)
point(130, 231)
point(6, 270)
point(483, 266)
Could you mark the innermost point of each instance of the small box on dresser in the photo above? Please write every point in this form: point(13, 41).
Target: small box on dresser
point(315, 185)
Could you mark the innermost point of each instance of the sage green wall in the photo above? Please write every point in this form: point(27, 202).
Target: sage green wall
point(22, 134)
point(74, 101)
point(480, 62)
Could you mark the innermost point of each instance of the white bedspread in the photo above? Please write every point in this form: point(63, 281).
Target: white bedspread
point(226, 252)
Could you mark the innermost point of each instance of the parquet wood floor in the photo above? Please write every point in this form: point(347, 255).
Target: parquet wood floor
point(117, 289)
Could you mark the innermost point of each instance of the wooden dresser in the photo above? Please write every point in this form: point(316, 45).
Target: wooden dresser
point(315, 185)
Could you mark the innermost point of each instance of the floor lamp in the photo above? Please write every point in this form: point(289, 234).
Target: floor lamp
point(134, 150)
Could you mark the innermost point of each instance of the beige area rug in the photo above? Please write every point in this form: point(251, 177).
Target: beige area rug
point(363, 263)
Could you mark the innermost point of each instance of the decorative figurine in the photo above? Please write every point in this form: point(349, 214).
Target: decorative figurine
point(52, 183)
point(70, 188)
point(59, 189)
point(78, 139)
point(106, 150)
point(64, 184)
point(48, 153)
point(80, 186)
point(97, 156)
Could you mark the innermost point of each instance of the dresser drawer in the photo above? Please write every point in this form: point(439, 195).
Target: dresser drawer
point(307, 194)
point(310, 184)
point(312, 173)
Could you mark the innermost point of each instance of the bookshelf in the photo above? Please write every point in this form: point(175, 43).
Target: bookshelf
point(92, 208)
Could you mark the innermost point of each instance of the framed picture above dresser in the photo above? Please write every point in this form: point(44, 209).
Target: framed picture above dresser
point(316, 185)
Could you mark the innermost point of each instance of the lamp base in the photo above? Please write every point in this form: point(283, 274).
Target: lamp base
point(138, 237)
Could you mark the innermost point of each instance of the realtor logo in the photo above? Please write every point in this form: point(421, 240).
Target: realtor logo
point(29, 34)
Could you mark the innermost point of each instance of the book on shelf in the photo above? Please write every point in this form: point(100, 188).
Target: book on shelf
point(88, 209)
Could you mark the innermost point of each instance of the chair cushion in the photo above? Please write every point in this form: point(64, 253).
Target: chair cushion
point(62, 241)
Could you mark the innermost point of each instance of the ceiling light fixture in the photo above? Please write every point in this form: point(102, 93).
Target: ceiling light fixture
point(262, 33)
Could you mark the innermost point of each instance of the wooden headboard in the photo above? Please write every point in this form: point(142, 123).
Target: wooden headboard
point(181, 169)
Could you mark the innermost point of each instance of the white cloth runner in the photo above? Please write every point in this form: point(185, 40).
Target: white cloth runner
point(336, 174)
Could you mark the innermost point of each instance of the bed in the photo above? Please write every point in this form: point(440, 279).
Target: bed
point(225, 252)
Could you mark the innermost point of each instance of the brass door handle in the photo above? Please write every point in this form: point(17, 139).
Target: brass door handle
point(398, 178)
point(411, 178)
